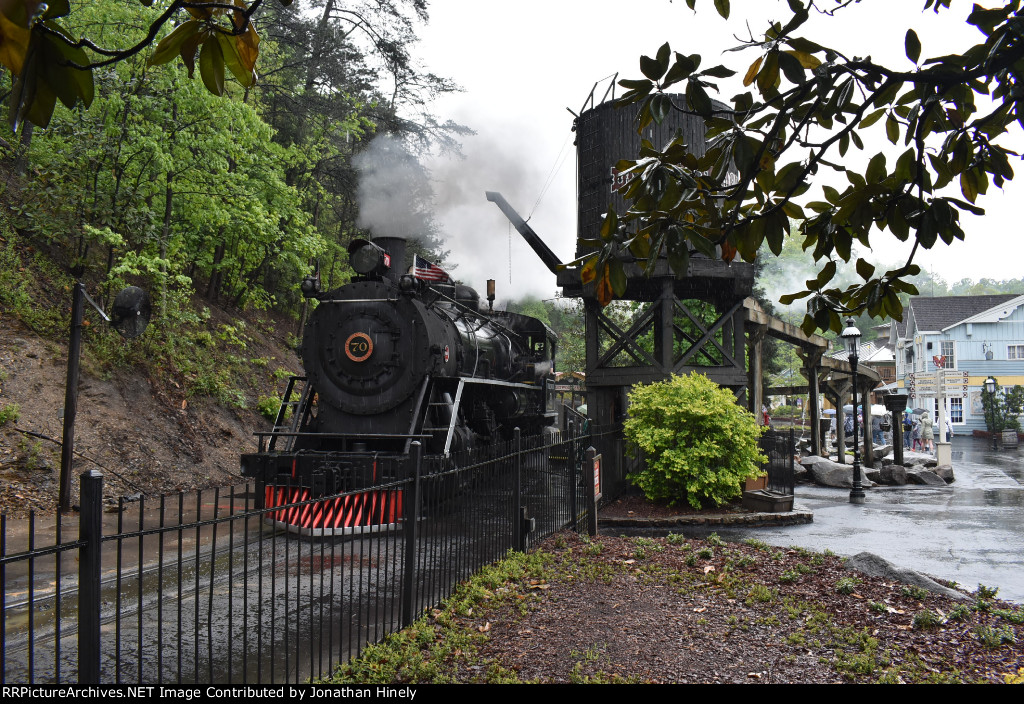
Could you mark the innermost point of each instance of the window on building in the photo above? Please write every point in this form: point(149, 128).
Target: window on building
point(949, 352)
point(956, 410)
point(1015, 352)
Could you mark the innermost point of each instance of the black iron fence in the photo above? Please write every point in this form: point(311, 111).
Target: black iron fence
point(210, 587)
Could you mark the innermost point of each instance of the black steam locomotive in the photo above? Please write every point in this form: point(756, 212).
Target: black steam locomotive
point(392, 358)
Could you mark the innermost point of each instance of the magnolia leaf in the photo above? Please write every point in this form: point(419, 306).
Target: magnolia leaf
point(681, 69)
point(808, 61)
point(892, 129)
point(651, 68)
point(969, 185)
point(211, 66)
point(791, 297)
point(229, 50)
point(610, 225)
point(65, 56)
point(617, 276)
point(698, 98)
point(728, 251)
point(865, 269)
point(912, 45)
point(41, 108)
point(752, 71)
point(604, 292)
point(248, 41)
point(640, 246)
point(170, 46)
point(660, 106)
point(589, 271)
point(723, 8)
point(14, 41)
point(188, 52)
point(791, 67)
point(718, 72)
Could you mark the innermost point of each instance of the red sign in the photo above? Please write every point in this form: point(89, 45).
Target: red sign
point(619, 181)
point(597, 477)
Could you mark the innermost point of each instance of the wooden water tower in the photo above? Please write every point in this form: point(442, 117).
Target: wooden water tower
point(679, 325)
point(663, 324)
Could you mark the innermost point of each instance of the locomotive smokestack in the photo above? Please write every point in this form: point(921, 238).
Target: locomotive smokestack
point(395, 247)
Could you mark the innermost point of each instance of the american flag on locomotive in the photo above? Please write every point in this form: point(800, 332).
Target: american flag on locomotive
point(428, 271)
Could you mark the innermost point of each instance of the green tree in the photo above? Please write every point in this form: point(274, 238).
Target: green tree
point(807, 106)
point(1003, 408)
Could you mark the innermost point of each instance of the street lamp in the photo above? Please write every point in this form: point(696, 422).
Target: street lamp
point(990, 387)
point(851, 340)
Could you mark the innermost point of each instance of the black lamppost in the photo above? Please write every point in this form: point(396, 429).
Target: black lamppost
point(990, 387)
point(851, 339)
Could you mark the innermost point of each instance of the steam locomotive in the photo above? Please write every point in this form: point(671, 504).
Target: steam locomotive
point(390, 358)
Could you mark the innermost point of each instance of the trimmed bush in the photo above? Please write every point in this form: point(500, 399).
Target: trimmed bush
point(699, 445)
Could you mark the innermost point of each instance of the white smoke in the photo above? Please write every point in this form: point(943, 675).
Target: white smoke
point(394, 190)
point(399, 196)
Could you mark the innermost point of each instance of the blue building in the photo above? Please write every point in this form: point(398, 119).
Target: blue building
point(978, 335)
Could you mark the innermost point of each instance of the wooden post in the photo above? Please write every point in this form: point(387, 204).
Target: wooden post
point(811, 372)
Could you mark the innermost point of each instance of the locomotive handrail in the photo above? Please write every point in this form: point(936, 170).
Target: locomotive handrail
point(477, 313)
point(358, 300)
point(384, 436)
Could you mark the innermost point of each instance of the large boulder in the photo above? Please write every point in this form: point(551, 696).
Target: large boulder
point(876, 566)
point(895, 474)
point(922, 475)
point(829, 473)
point(910, 457)
point(945, 472)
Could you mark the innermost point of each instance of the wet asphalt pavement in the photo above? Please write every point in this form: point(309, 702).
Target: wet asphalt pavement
point(971, 531)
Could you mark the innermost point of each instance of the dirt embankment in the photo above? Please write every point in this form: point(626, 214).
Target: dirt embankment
point(145, 436)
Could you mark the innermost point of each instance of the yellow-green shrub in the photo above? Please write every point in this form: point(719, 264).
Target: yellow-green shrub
point(697, 442)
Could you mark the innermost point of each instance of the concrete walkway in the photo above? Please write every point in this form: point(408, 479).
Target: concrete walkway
point(970, 531)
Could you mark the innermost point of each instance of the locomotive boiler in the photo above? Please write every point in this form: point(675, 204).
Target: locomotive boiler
point(393, 357)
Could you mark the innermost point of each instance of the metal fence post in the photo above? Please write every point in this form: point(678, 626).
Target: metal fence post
point(412, 517)
point(90, 532)
point(517, 490)
point(588, 478)
point(572, 468)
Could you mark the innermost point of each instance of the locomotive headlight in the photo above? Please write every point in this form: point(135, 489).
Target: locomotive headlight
point(367, 258)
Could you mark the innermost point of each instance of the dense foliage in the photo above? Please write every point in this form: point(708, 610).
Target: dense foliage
point(808, 106)
point(698, 443)
point(204, 197)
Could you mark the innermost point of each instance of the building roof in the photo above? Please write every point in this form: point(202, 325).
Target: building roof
point(932, 314)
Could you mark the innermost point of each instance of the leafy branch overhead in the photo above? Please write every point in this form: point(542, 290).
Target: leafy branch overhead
point(804, 113)
point(48, 63)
